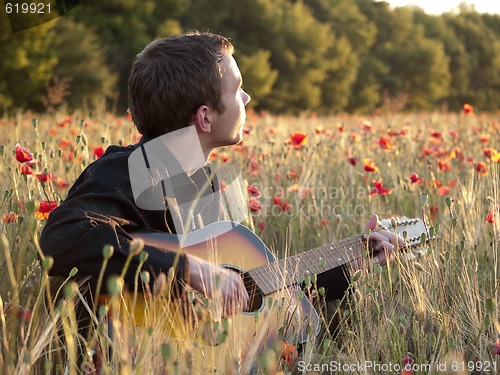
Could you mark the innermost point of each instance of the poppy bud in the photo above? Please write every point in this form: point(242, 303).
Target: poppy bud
point(107, 251)
point(145, 277)
point(136, 246)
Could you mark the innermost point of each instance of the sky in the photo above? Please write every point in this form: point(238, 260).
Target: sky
point(440, 6)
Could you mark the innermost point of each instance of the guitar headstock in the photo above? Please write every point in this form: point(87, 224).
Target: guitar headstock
point(415, 229)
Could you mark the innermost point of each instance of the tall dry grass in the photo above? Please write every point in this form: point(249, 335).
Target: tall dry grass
point(438, 308)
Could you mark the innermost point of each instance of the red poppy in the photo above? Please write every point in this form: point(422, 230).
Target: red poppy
point(42, 177)
point(98, 151)
point(434, 212)
point(304, 192)
point(23, 313)
point(490, 218)
point(254, 204)
point(393, 133)
point(481, 169)
point(468, 109)
point(492, 154)
point(407, 365)
point(223, 157)
point(434, 183)
point(453, 133)
point(496, 349)
point(443, 190)
point(379, 188)
point(11, 217)
point(273, 130)
point(385, 143)
point(415, 179)
point(66, 122)
point(436, 135)
point(427, 151)
point(281, 203)
point(489, 152)
point(352, 161)
point(22, 154)
point(355, 137)
point(319, 129)
point(444, 165)
point(289, 353)
point(262, 226)
point(61, 184)
point(340, 128)
point(25, 169)
point(252, 190)
point(298, 139)
point(367, 126)
point(292, 175)
point(46, 207)
point(370, 166)
point(294, 188)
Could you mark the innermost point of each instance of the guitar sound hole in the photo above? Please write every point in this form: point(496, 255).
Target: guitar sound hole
point(256, 299)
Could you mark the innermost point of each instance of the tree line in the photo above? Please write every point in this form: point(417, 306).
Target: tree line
point(325, 56)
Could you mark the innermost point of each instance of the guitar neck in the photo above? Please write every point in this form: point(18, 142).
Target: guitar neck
point(285, 272)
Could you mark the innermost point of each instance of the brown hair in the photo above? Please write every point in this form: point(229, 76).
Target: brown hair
point(172, 77)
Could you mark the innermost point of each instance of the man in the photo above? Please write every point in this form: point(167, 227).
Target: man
point(179, 86)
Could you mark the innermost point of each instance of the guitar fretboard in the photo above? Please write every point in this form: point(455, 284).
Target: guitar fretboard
point(285, 272)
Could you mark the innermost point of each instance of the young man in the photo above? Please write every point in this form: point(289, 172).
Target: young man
point(186, 99)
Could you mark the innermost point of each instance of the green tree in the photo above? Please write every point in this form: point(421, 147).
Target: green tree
point(259, 77)
point(437, 28)
point(26, 65)
point(482, 47)
point(416, 66)
point(352, 37)
point(84, 69)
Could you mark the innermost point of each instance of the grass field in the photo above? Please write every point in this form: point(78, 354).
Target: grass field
point(311, 180)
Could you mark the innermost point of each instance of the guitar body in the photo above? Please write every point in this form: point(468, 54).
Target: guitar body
point(278, 311)
point(232, 345)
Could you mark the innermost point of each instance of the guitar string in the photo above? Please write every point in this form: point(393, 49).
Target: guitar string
point(263, 269)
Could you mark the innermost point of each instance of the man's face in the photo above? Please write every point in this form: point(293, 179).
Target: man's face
point(227, 128)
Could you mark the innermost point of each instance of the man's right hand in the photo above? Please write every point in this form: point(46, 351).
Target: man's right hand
point(202, 276)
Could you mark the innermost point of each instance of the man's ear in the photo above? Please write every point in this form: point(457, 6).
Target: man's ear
point(203, 119)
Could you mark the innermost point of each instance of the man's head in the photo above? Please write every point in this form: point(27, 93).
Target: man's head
point(172, 77)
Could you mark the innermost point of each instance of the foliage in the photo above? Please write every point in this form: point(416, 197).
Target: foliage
point(326, 56)
point(90, 81)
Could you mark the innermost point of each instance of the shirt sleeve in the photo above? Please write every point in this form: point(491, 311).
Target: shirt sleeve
point(336, 282)
point(96, 214)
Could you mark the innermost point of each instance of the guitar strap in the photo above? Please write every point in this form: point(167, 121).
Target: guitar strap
point(162, 186)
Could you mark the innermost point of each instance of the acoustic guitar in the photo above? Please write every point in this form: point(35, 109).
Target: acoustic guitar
point(278, 309)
